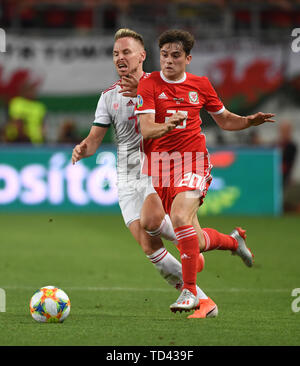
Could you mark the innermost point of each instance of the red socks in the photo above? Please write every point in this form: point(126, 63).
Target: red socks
point(188, 245)
point(216, 240)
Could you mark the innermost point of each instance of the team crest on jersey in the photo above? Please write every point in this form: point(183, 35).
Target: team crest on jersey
point(193, 96)
point(139, 101)
point(116, 106)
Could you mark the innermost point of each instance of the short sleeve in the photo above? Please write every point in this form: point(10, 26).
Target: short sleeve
point(102, 116)
point(145, 97)
point(213, 103)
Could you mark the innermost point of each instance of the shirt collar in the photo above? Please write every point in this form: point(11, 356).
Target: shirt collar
point(172, 81)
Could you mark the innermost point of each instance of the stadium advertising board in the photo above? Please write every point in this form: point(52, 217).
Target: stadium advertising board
point(33, 179)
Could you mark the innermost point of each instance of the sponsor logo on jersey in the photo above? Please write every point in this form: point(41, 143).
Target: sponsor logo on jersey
point(193, 96)
point(178, 100)
point(140, 101)
point(162, 96)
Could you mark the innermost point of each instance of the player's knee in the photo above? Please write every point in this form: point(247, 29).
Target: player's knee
point(178, 219)
point(150, 223)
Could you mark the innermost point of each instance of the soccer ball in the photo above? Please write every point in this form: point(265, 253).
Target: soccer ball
point(50, 304)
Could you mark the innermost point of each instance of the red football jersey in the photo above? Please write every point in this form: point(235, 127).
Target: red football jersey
point(164, 97)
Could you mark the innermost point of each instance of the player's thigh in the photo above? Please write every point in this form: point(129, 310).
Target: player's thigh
point(130, 202)
point(184, 208)
point(152, 212)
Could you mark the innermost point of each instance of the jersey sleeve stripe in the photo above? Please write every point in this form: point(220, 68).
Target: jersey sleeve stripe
point(101, 124)
point(145, 111)
point(218, 112)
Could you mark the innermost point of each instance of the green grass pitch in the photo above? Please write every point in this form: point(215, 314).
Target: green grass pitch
point(118, 298)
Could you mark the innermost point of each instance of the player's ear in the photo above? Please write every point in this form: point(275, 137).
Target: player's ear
point(143, 56)
point(188, 59)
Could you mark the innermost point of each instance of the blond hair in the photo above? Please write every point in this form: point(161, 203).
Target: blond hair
point(126, 32)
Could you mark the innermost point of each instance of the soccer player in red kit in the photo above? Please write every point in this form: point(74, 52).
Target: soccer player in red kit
point(175, 154)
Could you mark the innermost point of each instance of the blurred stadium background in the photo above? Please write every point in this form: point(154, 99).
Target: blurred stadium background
point(57, 60)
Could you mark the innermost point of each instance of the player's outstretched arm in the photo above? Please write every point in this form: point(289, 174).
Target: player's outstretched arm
point(152, 130)
point(233, 122)
point(90, 144)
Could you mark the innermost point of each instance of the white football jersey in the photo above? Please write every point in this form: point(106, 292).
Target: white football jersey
point(115, 109)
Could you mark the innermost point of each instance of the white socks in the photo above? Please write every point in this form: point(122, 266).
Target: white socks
point(165, 230)
point(167, 266)
point(170, 269)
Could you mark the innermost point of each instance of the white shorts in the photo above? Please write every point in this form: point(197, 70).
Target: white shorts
point(132, 196)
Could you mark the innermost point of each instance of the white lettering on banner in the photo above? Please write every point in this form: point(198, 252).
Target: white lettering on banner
point(34, 187)
point(11, 188)
point(36, 184)
point(75, 176)
point(56, 179)
point(102, 179)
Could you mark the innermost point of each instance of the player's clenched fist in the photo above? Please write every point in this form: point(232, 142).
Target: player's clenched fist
point(175, 120)
point(79, 152)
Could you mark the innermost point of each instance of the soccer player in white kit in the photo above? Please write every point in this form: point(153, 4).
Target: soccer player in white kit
point(116, 107)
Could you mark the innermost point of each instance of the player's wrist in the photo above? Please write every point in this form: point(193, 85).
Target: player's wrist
point(168, 127)
point(247, 121)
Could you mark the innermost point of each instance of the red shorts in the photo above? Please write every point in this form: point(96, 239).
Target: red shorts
point(190, 182)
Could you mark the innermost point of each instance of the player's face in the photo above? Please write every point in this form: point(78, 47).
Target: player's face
point(128, 56)
point(173, 61)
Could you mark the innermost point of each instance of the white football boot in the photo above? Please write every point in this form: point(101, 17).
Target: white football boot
point(187, 301)
point(242, 251)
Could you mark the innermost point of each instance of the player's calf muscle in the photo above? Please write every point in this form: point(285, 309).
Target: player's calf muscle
point(148, 244)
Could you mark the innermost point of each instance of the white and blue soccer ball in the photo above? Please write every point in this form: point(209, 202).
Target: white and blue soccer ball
point(50, 304)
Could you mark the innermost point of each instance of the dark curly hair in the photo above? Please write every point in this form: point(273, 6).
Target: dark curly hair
point(177, 36)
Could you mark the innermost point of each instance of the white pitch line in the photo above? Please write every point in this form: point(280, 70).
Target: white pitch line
point(139, 289)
